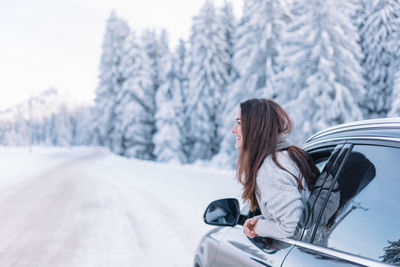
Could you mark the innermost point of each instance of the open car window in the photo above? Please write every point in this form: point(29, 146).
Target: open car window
point(321, 156)
point(323, 186)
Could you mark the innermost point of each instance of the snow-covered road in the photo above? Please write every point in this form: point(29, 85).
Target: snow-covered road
point(87, 207)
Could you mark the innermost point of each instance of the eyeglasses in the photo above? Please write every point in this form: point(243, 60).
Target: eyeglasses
point(237, 121)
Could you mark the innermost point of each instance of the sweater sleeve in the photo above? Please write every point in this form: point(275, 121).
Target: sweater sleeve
point(280, 202)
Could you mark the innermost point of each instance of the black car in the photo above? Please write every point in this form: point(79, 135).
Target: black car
point(352, 217)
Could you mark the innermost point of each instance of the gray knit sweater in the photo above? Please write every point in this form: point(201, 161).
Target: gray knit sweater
point(279, 198)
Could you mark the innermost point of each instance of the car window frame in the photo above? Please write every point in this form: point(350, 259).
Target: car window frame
point(339, 163)
point(340, 149)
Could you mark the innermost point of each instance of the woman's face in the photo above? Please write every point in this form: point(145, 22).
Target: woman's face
point(237, 130)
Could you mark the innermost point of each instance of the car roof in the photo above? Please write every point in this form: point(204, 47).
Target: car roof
point(388, 129)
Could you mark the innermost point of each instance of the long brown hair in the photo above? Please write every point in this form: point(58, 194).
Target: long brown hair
point(263, 121)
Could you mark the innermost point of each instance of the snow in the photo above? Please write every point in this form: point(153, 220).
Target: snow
point(39, 160)
point(84, 206)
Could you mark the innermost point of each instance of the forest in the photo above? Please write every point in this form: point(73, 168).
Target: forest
point(325, 61)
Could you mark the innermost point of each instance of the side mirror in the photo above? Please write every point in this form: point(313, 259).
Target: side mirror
point(222, 212)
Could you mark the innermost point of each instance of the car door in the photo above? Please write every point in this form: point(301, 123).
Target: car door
point(236, 249)
point(364, 230)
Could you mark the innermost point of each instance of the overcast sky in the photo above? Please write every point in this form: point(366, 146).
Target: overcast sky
point(54, 43)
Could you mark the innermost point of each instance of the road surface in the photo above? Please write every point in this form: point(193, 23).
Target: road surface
point(97, 209)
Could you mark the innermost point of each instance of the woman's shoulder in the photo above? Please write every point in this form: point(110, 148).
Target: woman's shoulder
point(282, 157)
point(273, 173)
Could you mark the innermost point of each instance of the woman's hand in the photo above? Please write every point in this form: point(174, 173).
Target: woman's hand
point(250, 227)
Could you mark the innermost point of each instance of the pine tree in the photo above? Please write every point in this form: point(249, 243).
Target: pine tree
point(134, 105)
point(110, 78)
point(380, 31)
point(395, 107)
point(63, 127)
point(167, 137)
point(229, 24)
point(324, 63)
point(81, 126)
point(155, 48)
point(181, 103)
point(356, 13)
point(208, 76)
point(256, 48)
point(255, 60)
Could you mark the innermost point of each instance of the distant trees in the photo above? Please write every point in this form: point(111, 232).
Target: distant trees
point(46, 119)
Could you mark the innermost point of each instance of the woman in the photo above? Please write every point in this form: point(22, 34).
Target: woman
point(276, 176)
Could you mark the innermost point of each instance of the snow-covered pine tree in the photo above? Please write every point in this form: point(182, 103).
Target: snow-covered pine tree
point(156, 49)
point(256, 42)
point(209, 78)
point(227, 155)
point(134, 103)
point(181, 103)
point(5, 132)
point(167, 136)
point(110, 78)
point(229, 24)
point(52, 137)
point(324, 57)
point(380, 33)
point(18, 133)
point(81, 123)
point(293, 59)
point(356, 13)
point(256, 48)
point(395, 108)
point(63, 127)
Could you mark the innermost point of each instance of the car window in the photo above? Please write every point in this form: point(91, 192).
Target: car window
point(367, 218)
point(321, 188)
point(321, 156)
point(320, 165)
